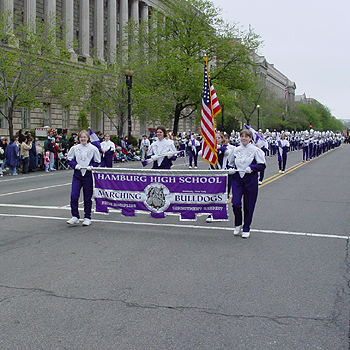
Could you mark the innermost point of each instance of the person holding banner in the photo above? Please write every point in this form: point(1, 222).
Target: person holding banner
point(162, 151)
point(82, 158)
point(244, 165)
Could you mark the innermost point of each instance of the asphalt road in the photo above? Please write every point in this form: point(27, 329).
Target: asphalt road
point(142, 283)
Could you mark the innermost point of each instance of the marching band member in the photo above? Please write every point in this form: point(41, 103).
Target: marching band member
point(82, 158)
point(193, 147)
point(108, 149)
point(283, 146)
point(162, 151)
point(305, 146)
point(245, 163)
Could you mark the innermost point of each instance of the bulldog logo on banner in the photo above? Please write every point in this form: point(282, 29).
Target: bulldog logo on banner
point(156, 197)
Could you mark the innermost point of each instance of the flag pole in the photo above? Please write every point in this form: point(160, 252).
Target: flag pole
point(211, 104)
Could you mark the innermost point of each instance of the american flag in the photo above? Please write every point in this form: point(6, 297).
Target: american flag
point(210, 109)
point(286, 91)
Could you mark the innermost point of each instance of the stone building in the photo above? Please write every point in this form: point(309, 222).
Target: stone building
point(275, 80)
point(98, 27)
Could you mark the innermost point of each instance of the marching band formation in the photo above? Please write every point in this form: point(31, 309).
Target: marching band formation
point(242, 154)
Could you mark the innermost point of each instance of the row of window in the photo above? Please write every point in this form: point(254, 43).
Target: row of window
point(46, 117)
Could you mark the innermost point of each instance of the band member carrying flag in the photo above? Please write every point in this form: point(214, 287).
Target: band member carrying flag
point(94, 139)
point(210, 109)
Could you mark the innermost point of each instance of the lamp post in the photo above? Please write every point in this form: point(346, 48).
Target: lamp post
point(258, 107)
point(128, 76)
point(222, 118)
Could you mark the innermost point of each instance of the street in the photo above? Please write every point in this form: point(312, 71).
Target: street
point(145, 283)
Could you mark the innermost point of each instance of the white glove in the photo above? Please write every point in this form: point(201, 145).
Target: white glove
point(78, 167)
point(170, 154)
point(218, 146)
point(231, 171)
point(89, 168)
point(248, 170)
point(154, 157)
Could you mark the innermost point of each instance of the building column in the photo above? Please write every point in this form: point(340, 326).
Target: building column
point(98, 30)
point(30, 13)
point(112, 30)
point(144, 13)
point(50, 14)
point(68, 20)
point(134, 11)
point(7, 9)
point(144, 25)
point(84, 35)
point(123, 21)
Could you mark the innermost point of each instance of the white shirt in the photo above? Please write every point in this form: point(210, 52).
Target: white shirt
point(145, 143)
point(108, 145)
point(161, 147)
point(243, 156)
point(83, 155)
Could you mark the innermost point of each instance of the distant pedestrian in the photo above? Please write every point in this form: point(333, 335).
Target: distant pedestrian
point(144, 146)
point(26, 145)
point(12, 155)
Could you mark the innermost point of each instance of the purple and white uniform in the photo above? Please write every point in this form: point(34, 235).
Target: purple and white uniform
point(85, 156)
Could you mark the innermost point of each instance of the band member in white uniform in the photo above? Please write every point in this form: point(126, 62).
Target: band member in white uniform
point(162, 151)
point(108, 149)
point(82, 158)
point(245, 163)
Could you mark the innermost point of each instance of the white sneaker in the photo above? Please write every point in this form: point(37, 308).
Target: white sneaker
point(260, 182)
point(73, 221)
point(245, 234)
point(190, 167)
point(237, 230)
point(280, 171)
point(209, 218)
point(195, 167)
point(283, 171)
point(87, 222)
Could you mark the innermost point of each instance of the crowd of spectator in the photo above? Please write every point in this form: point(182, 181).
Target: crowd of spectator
point(23, 154)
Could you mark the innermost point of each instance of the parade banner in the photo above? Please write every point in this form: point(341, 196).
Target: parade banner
point(160, 191)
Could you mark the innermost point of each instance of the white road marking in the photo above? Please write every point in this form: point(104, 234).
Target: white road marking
point(33, 189)
point(320, 235)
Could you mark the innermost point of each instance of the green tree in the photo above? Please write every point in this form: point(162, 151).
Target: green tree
point(169, 67)
point(34, 64)
point(83, 122)
point(108, 93)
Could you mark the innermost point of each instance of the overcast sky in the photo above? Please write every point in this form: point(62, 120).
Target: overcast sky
point(306, 40)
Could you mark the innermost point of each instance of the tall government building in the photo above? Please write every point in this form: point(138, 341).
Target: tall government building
point(98, 28)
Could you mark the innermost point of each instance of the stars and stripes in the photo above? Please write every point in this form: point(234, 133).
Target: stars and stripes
point(210, 109)
point(286, 91)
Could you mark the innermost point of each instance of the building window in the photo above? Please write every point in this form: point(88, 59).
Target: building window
point(65, 117)
point(46, 114)
point(24, 118)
